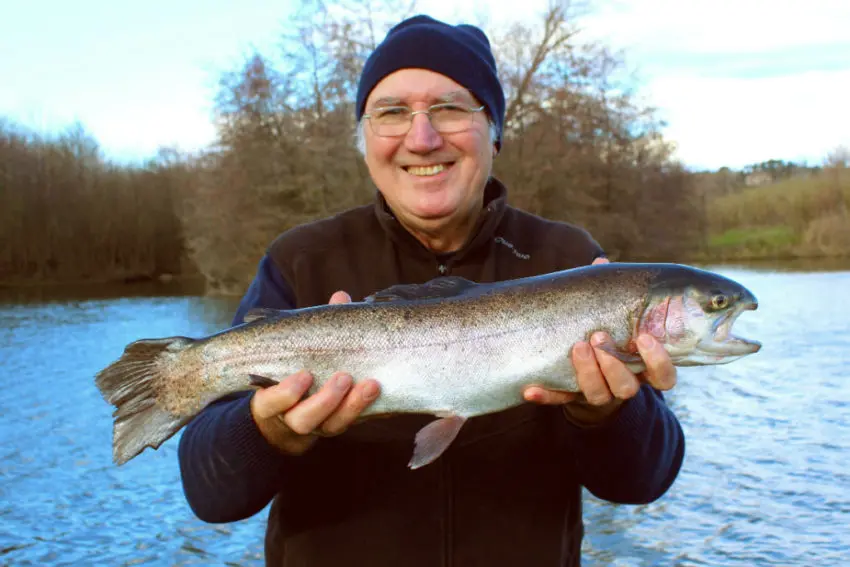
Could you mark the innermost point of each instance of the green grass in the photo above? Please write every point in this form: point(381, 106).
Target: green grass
point(778, 220)
point(758, 237)
point(752, 243)
point(793, 202)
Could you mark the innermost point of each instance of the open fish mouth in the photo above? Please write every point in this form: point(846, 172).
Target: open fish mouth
point(721, 343)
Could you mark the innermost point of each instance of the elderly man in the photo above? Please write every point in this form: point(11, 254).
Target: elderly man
point(508, 490)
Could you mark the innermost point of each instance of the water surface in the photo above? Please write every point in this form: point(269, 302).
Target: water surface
point(766, 479)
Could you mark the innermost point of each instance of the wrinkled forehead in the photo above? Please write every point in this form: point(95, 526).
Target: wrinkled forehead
point(407, 87)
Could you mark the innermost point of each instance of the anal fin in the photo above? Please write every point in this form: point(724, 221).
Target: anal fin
point(433, 439)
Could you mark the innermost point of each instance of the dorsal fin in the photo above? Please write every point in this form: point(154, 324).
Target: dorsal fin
point(447, 286)
point(258, 313)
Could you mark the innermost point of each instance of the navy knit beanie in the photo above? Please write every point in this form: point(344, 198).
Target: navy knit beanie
point(461, 53)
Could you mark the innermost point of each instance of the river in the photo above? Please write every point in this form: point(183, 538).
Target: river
point(766, 478)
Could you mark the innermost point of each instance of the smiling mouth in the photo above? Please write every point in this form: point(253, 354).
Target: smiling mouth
point(427, 170)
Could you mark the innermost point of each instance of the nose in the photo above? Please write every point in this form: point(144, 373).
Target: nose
point(422, 138)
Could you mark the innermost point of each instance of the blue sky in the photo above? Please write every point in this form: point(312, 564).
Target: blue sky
point(738, 81)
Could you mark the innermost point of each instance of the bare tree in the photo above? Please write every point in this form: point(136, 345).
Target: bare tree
point(580, 147)
point(66, 214)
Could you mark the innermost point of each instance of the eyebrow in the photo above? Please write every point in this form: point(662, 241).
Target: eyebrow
point(454, 95)
point(387, 100)
point(446, 97)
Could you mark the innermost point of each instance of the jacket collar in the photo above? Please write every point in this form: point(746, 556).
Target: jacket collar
point(495, 203)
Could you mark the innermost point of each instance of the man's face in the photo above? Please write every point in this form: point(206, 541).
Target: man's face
point(430, 180)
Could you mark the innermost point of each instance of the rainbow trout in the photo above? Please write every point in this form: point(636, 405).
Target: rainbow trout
point(449, 347)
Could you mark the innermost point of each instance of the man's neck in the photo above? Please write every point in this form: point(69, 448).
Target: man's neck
point(445, 237)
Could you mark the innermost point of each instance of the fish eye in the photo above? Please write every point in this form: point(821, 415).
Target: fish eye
point(719, 301)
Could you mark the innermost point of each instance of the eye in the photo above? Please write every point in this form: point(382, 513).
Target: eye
point(390, 112)
point(719, 301)
point(451, 106)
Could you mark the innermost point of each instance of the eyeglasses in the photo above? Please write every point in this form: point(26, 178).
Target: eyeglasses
point(446, 118)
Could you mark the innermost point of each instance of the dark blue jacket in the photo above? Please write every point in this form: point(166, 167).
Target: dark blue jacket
point(507, 491)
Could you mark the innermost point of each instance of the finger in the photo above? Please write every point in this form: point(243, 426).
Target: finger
point(351, 407)
point(541, 395)
point(601, 260)
point(622, 382)
point(588, 375)
point(660, 371)
point(307, 415)
point(339, 297)
point(279, 398)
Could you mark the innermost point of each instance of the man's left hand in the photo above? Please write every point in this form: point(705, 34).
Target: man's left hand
point(605, 382)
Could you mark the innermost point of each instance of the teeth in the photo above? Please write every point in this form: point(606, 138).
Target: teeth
point(425, 171)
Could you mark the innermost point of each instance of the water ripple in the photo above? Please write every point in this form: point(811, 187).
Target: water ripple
point(765, 480)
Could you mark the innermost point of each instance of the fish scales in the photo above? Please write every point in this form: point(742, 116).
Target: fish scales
point(453, 355)
point(449, 347)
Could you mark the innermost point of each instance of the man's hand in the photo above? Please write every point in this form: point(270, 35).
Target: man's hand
point(292, 424)
point(605, 382)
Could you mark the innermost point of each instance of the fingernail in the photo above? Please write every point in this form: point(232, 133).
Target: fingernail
point(370, 391)
point(598, 339)
point(342, 382)
point(583, 351)
point(646, 341)
point(303, 379)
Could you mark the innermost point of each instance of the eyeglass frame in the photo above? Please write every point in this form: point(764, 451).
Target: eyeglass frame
point(427, 111)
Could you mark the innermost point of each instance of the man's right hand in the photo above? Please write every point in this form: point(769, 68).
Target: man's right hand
point(292, 424)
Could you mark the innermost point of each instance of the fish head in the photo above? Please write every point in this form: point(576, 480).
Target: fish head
point(692, 313)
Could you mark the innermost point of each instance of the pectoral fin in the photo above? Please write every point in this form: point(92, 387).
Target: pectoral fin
point(433, 439)
point(262, 381)
point(622, 356)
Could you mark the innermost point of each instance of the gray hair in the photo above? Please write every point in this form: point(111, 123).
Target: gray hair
point(360, 137)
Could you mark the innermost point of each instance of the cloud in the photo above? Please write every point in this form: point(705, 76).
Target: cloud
point(136, 77)
point(721, 26)
point(738, 81)
point(738, 121)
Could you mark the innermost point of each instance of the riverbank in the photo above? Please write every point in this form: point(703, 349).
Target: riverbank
point(36, 291)
point(195, 286)
point(802, 217)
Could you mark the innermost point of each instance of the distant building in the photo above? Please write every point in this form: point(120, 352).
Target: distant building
point(758, 178)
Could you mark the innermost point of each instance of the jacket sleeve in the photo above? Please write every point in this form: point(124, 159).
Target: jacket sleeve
point(229, 471)
point(635, 457)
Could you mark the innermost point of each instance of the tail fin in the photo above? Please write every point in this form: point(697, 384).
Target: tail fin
point(131, 385)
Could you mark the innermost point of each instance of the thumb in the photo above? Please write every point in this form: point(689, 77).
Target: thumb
point(339, 297)
point(539, 395)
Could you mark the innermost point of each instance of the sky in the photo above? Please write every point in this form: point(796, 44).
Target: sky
point(736, 81)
